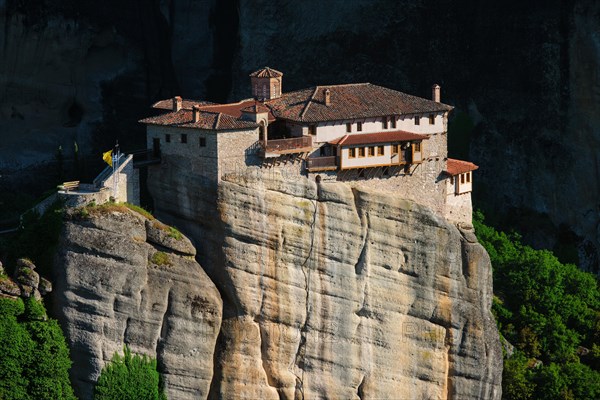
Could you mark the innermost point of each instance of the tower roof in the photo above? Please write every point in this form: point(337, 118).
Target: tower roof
point(266, 72)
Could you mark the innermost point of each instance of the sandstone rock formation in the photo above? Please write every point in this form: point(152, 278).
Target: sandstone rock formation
point(122, 282)
point(335, 293)
point(25, 283)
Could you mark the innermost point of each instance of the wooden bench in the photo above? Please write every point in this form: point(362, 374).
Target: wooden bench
point(66, 186)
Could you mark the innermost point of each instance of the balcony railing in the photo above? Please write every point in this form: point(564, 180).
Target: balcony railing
point(321, 163)
point(291, 145)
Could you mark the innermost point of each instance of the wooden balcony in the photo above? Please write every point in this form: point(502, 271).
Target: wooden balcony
point(314, 164)
point(277, 147)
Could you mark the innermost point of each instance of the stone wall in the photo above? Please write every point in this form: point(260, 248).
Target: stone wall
point(459, 208)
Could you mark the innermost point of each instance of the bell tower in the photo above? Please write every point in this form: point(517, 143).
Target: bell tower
point(266, 84)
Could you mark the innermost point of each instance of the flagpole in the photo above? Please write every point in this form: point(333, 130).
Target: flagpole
point(115, 164)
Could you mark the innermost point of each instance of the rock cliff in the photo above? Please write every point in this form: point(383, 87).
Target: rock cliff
point(331, 292)
point(125, 280)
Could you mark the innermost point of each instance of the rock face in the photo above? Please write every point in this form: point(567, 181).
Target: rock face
point(121, 282)
point(335, 293)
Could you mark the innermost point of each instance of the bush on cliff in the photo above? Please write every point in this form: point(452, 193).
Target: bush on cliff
point(129, 378)
point(34, 357)
point(551, 312)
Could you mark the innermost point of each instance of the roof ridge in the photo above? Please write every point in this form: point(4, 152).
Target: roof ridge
point(308, 102)
point(217, 120)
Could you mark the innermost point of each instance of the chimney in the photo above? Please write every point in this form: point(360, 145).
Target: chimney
point(177, 103)
point(196, 113)
point(435, 93)
point(327, 93)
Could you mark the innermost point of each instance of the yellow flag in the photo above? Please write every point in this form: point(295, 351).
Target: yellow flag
point(107, 157)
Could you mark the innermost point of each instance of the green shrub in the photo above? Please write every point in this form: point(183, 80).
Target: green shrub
point(129, 378)
point(33, 354)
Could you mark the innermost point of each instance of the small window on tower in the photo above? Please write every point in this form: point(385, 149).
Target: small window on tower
point(183, 138)
point(417, 120)
point(359, 126)
point(168, 138)
point(348, 127)
point(202, 142)
point(431, 119)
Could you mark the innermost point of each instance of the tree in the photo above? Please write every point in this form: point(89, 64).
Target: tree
point(129, 378)
point(33, 353)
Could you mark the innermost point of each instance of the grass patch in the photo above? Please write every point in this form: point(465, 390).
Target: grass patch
point(93, 209)
point(139, 210)
point(174, 233)
point(160, 258)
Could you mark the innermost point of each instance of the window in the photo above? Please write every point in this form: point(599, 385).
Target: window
point(431, 119)
point(452, 180)
point(395, 148)
point(379, 150)
point(361, 151)
point(417, 120)
point(468, 177)
point(183, 138)
point(371, 151)
point(417, 147)
point(359, 126)
point(168, 138)
point(462, 178)
point(348, 127)
point(264, 91)
point(351, 152)
point(312, 129)
point(202, 142)
point(393, 120)
point(384, 123)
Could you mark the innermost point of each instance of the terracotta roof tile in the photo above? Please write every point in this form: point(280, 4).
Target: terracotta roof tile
point(457, 167)
point(235, 109)
point(167, 104)
point(208, 120)
point(266, 72)
point(379, 137)
point(353, 101)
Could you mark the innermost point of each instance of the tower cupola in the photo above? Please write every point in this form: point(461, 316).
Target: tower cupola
point(266, 83)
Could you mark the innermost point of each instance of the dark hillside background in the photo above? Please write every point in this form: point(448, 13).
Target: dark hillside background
point(524, 78)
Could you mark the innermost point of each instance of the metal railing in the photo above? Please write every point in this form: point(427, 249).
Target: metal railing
point(321, 162)
point(276, 145)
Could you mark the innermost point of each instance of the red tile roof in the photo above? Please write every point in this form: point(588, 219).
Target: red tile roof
point(266, 72)
point(457, 167)
point(235, 109)
point(379, 137)
point(167, 104)
point(208, 120)
point(353, 101)
point(256, 108)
